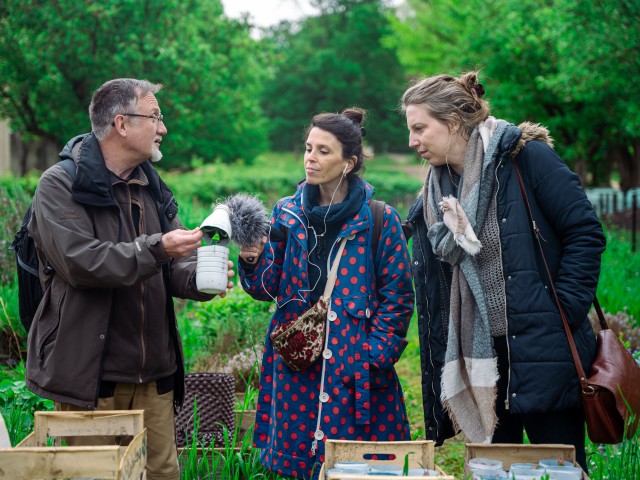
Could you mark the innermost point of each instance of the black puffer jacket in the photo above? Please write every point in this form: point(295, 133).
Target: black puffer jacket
point(542, 374)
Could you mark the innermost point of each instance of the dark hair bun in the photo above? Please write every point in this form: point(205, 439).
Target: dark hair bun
point(470, 81)
point(355, 114)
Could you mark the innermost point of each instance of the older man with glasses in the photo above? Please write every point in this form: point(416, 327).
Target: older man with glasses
point(113, 253)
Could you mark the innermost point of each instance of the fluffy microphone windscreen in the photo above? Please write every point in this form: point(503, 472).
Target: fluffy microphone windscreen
point(248, 219)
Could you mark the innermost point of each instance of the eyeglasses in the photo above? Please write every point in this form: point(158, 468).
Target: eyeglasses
point(159, 117)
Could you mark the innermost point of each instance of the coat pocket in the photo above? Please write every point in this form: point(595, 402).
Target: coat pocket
point(355, 334)
point(48, 319)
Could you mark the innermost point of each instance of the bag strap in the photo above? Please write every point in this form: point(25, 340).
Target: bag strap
point(333, 274)
point(377, 213)
point(69, 167)
point(596, 304)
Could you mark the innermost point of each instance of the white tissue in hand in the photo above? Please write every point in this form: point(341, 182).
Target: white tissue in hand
point(457, 222)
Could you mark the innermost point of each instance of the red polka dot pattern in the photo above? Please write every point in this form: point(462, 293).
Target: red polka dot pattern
point(373, 303)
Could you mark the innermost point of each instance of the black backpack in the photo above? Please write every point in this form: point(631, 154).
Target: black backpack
point(29, 289)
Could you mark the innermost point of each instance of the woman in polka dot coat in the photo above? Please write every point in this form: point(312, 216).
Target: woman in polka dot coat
point(352, 392)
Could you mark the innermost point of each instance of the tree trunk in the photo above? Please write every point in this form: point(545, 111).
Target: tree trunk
point(580, 167)
point(627, 160)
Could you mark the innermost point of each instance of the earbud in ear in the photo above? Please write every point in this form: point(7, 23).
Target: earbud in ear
point(345, 169)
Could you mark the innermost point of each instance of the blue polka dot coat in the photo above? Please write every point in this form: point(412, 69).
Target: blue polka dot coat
point(352, 392)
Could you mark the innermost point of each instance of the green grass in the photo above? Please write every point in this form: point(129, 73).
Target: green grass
point(615, 462)
point(619, 284)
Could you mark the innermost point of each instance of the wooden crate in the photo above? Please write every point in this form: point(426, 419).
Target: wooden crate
point(33, 459)
point(509, 453)
point(422, 453)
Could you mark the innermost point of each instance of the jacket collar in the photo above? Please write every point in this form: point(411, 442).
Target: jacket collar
point(92, 185)
point(292, 215)
point(515, 138)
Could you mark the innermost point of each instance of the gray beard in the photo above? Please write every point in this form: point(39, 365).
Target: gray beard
point(156, 155)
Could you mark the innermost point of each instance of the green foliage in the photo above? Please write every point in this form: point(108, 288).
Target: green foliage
point(15, 197)
point(53, 55)
point(213, 332)
point(273, 176)
point(602, 37)
point(17, 404)
point(567, 65)
point(619, 284)
point(614, 461)
point(333, 61)
point(235, 458)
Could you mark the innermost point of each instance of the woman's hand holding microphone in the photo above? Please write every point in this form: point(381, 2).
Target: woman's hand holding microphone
point(251, 253)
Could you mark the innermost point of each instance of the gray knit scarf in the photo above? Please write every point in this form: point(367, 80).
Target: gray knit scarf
point(470, 373)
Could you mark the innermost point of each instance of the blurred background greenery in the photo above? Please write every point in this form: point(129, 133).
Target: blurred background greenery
point(237, 100)
point(232, 92)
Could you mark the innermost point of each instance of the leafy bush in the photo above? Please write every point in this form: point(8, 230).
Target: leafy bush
point(276, 175)
point(17, 404)
point(15, 197)
point(619, 285)
point(215, 332)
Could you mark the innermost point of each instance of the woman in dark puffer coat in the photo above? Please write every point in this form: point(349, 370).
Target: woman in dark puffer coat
point(495, 357)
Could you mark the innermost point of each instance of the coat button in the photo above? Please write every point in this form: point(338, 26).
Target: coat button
point(416, 263)
point(318, 435)
point(324, 397)
point(367, 312)
point(509, 277)
point(513, 395)
point(332, 316)
point(101, 336)
point(504, 220)
point(327, 354)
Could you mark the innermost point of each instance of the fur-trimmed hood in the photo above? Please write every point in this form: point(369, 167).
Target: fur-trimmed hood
point(531, 132)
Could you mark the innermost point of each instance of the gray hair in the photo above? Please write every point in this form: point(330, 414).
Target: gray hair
point(450, 100)
point(116, 97)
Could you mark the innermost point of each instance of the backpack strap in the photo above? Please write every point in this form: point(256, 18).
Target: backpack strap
point(377, 213)
point(69, 167)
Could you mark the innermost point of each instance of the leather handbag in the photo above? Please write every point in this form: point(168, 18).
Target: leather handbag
point(301, 341)
point(611, 393)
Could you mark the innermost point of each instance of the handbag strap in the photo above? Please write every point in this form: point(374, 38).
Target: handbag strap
point(333, 274)
point(596, 304)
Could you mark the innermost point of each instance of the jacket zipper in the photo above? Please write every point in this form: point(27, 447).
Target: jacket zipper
point(506, 320)
point(139, 231)
point(142, 342)
point(433, 368)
